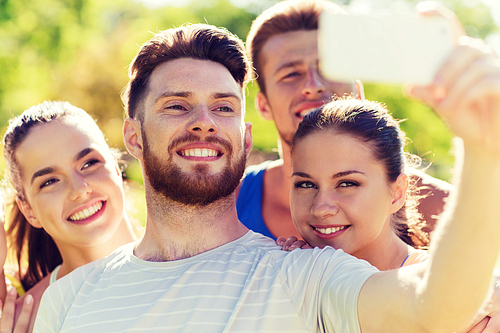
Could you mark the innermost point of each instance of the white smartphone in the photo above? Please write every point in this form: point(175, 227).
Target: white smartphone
point(384, 47)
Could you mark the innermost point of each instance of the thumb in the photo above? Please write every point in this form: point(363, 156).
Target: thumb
point(424, 94)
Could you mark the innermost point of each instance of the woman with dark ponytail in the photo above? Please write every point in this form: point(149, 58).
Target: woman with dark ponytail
point(350, 188)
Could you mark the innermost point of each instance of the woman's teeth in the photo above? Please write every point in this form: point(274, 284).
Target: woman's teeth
point(87, 212)
point(328, 231)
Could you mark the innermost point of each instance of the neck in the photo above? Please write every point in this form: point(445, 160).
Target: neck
point(282, 178)
point(176, 231)
point(75, 257)
point(385, 254)
point(284, 151)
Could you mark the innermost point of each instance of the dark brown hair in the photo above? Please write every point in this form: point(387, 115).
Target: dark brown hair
point(371, 123)
point(196, 41)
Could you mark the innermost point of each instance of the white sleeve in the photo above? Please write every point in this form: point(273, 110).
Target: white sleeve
point(45, 318)
point(57, 299)
point(325, 287)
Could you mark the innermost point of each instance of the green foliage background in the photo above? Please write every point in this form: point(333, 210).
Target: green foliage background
point(79, 50)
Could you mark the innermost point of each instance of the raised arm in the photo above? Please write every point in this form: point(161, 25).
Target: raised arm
point(444, 294)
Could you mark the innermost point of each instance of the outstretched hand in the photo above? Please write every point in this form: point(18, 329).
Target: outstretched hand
point(466, 90)
point(466, 93)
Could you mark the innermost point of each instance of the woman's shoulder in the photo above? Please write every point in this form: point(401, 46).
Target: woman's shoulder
point(37, 290)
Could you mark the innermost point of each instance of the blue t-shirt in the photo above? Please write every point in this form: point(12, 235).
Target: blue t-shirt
point(249, 202)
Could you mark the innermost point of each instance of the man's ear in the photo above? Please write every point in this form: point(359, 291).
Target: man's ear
point(360, 90)
point(26, 210)
point(262, 105)
point(399, 193)
point(132, 136)
point(248, 138)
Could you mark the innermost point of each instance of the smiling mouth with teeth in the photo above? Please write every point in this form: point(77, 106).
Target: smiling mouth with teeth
point(87, 212)
point(199, 152)
point(328, 231)
point(303, 113)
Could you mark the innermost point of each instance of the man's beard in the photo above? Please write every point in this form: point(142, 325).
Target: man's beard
point(199, 189)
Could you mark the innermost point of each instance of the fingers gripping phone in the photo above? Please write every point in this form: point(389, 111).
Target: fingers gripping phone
point(384, 47)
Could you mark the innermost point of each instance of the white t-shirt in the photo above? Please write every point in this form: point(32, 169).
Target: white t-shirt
point(248, 285)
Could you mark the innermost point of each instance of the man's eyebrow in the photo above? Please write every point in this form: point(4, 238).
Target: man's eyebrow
point(226, 95)
point(81, 154)
point(288, 65)
point(184, 94)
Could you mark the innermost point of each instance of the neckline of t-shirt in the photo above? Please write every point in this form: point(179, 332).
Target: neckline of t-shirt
point(202, 256)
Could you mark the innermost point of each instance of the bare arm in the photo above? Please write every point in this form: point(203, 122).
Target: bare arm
point(438, 297)
point(444, 294)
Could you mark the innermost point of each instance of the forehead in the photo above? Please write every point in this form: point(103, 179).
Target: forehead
point(291, 47)
point(201, 78)
point(329, 149)
point(57, 142)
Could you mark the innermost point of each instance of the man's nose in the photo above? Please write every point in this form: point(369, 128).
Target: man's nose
point(202, 122)
point(314, 85)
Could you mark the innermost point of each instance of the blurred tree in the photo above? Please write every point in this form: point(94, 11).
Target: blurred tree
point(79, 50)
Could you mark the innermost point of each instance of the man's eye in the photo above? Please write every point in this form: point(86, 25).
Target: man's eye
point(304, 184)
point(176, 107)
point(290, 75)
point(224, 109)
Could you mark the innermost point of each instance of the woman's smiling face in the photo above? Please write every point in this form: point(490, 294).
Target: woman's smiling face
point(340, 195)
point(72, 185)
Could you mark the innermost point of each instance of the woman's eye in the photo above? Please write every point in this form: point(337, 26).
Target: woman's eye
point(48, 182)
point(347, 183)
point(304, 184)
point(89, 164)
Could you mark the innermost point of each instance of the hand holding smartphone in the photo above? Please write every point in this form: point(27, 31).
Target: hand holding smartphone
point(384, 47)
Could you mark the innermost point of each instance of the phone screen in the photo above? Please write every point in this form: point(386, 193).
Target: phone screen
point(391, 48)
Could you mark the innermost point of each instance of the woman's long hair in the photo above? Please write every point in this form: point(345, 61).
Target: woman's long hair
point(33, 249)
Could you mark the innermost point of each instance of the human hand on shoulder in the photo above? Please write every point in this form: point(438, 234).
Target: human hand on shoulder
point(292, 243)
point(7, 314)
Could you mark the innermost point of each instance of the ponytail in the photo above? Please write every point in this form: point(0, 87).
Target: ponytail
point(34, 250)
